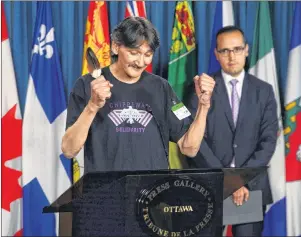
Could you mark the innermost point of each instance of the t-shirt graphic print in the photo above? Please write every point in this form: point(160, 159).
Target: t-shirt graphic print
point(138, 118)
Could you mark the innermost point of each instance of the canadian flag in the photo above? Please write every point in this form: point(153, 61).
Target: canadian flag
point(11, 142)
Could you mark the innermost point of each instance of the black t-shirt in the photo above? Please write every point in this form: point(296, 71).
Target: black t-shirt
point(128, 132)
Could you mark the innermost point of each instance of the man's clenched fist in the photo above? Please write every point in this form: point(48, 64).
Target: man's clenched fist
point(100, 91)
point(204, 86)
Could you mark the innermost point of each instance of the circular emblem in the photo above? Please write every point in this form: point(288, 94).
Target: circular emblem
point(178, 206)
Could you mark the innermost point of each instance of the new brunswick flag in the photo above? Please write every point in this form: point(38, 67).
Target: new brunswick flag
point(97, 35)
point(182, 63)
point(97, 38)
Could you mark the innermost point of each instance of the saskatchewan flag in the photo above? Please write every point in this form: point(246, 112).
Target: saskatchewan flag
point(263, 66)
point(182, 63)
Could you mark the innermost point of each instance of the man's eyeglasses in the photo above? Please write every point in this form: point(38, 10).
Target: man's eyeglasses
point(226, 52)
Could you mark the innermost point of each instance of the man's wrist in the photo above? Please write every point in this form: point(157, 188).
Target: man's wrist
point(203, 109)
point(92, 108)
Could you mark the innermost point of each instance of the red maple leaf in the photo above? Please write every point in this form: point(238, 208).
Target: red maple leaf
point(293, 166)
point(11, 138)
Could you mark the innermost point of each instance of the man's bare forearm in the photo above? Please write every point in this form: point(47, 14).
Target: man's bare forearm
point(76, 135)
point(191, 141)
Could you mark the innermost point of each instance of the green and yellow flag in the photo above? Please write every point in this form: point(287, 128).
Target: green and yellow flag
point(182, 64)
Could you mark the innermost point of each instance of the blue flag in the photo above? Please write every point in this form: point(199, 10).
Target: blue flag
point(46, 172)
point(223, 16)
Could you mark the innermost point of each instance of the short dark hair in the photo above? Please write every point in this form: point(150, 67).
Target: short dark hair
point(133, 31)
point(229, 29)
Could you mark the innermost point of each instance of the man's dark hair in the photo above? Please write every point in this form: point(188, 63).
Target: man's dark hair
point(133, 32)
point(229, 29)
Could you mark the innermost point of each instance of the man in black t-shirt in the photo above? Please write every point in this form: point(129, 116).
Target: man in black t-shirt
point(126, 117)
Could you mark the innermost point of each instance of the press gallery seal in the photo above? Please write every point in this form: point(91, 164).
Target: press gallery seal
point(176, 207)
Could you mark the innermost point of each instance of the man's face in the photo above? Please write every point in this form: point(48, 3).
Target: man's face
point(231, 52)
point(133, 61)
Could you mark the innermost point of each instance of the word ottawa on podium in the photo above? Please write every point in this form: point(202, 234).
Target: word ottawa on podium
point(154, 203)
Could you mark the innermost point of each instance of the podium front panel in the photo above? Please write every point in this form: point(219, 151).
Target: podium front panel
point(150, 205)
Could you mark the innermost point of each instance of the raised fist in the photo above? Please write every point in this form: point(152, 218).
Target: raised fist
point(204, 86)
point(100, 91)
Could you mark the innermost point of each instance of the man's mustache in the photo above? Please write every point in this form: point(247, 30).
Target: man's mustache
point(135, 66)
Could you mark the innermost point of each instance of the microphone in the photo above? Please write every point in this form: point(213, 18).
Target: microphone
point(149, 110)
point(93, 63)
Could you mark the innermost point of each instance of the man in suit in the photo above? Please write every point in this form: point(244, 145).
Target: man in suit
point(241, 129)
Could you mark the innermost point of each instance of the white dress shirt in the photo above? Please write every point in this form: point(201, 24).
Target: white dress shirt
point(239, 78)
point(227, 79)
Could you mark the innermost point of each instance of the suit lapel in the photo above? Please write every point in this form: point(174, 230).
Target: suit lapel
point(224, 99)
point(243, 105)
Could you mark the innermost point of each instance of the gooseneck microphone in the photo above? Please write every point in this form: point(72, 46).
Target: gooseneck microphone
point(149, 110)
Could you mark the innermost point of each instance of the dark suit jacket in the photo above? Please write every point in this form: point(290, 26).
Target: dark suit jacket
point(252, 142)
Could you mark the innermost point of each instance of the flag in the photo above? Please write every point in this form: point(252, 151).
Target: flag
point(137, 8)
point(223, 17)
point(46, 172)
point(263, 66)
point(11, 142)
point(293, 129)
point(182, 63)
point(97, 37)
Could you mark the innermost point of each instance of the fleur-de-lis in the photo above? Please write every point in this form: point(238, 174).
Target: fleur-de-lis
point(43, 41)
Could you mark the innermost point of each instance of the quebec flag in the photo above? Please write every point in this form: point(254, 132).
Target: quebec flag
point(46, 172)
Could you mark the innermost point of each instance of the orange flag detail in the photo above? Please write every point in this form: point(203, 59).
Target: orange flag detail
point(97, 35)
